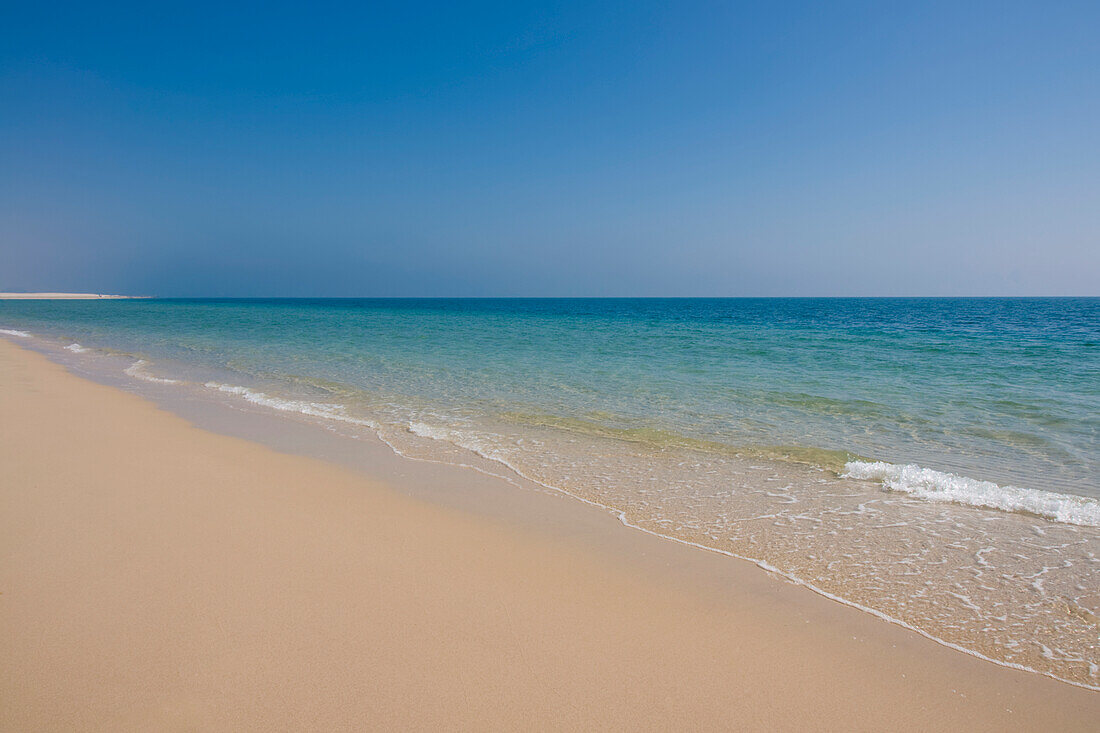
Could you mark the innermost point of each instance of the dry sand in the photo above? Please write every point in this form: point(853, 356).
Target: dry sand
point(155, 576)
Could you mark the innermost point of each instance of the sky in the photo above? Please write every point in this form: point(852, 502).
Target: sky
point(551, 149)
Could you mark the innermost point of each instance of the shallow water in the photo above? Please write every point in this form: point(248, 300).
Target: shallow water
point(933, 461)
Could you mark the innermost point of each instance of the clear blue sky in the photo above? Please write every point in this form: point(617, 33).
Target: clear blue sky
point(634, 148)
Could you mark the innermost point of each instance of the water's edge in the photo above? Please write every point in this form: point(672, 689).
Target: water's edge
point(511, 474)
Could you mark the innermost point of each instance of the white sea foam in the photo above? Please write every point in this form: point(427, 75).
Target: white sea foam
point(462, 439)
point(326, 410)
point(926, 483)
point(14, 332)
point(430, 431)
point(77, 349)
point(137, 371)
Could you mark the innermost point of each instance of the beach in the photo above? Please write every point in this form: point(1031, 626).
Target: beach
point(675, 366)
point(931, 462)
point(161, 576)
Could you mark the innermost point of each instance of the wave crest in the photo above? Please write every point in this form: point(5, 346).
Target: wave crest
point(137, 371)
point(325, 410)
point(926, 483)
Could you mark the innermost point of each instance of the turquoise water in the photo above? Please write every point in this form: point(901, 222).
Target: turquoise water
point(1004, 390)
point(935, 461)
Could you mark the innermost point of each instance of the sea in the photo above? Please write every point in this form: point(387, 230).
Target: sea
point(934, 462)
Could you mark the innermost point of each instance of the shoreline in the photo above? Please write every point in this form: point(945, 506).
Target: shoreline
point(69, 296)
point(796, 657)
point(277, 413)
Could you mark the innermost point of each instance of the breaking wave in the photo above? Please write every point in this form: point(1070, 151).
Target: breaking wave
point(926, 483)
point(327, 410)
point(137, 370)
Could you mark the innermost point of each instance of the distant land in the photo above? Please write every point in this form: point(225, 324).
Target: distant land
point(65, 296)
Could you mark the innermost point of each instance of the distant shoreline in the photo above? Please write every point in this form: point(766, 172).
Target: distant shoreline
point(66, 296)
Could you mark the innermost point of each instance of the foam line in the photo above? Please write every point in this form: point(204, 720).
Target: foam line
point(925, 483)
point(315, 409)
point(137, 371)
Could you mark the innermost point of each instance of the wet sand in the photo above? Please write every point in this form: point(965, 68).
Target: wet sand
point(155, 575)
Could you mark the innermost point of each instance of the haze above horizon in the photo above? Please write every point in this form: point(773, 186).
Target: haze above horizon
point(551, 149)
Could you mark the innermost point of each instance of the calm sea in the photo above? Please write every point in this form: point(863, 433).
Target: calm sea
point(934, 461)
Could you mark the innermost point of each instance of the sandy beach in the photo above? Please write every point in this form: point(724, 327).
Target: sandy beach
point(159, 576)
